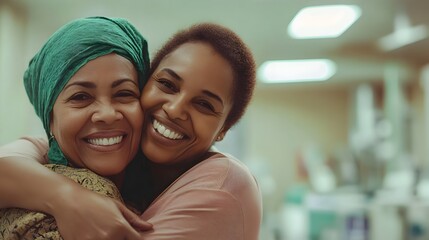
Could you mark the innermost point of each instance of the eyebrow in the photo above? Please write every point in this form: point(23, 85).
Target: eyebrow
point(92, 85)
point(120, 81)
point(205, 92)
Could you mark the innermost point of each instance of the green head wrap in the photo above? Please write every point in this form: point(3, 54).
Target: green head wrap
point(70, 48)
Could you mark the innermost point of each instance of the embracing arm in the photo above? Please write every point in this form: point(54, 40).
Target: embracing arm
point(21, 175)
point(26, 183)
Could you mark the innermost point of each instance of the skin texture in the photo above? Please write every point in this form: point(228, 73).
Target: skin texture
point(189, 94)
point(100, 103)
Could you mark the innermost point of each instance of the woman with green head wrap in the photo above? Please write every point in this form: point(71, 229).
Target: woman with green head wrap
point(67, 51)
point(85, 85)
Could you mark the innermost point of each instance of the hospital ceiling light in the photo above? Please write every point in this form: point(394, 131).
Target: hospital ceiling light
point(306, 70)
point(328, 21)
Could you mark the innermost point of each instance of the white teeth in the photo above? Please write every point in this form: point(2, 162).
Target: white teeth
point(105, 141)
point(164, 131)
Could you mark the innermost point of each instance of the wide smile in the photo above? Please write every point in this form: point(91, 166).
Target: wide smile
point(107, 141)
point(166, 132)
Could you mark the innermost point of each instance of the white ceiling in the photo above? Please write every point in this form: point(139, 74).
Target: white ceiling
point(262, 24)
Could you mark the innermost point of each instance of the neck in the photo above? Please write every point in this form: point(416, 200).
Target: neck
point(158, 177)
point(117, 179)
point(162, 176)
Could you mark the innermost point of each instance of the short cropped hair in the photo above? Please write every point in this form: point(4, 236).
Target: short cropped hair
point(231, 47)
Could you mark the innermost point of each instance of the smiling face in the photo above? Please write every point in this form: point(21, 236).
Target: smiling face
point(186, 102)
point(97, 117)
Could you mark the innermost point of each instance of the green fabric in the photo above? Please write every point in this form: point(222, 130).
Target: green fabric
point(67, 50)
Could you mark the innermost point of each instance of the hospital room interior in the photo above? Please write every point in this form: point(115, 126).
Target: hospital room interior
point(337, 131)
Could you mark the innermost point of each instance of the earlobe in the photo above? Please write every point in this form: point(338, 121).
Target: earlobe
point(220, 136)
point(51, 135)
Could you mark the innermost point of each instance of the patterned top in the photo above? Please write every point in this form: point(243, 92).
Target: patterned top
point(16, 223)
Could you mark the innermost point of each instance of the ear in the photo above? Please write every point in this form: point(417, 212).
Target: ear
point(220, 136)
point(51, 126)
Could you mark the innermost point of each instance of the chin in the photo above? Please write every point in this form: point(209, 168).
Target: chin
point(110, 171)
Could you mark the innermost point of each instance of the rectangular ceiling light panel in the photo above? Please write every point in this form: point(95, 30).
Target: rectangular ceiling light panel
point(283, 71)
point(323, 21)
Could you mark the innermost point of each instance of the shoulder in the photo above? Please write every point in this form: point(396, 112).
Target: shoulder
point(88, 179)
point(218, 172)
point(218, 195)
point(31, 147)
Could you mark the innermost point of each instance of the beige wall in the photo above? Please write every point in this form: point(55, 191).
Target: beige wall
point(280, 122)
point(15, 110)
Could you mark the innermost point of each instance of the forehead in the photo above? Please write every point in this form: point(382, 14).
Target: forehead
point(199, 63)
point(108, 67)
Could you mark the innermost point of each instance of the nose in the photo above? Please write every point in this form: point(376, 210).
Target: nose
point(107, 113)
point(176, 108)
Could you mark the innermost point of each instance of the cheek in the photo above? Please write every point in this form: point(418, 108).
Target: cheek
point(146, 90)
point(141, 99)
point(67, 123)
point(60, 119)
point(65, 128)
point(134, 114)
point(53, 120)
point(148, 97)
point(206, 127)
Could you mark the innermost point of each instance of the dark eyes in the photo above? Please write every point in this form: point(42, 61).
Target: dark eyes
point(206, 105)
point(79, 97)
point(167, 85)
point(84, 97)
point(170, 87)
point(126, 93)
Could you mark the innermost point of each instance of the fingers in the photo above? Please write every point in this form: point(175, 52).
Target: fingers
point(132, 234)
point(134, 220)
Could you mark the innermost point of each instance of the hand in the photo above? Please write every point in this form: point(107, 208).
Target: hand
point(82, 214)
point(133, 219)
